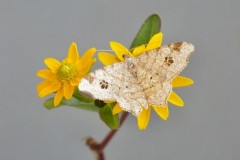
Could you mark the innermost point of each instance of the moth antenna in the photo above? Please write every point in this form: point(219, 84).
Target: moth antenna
point(104, 50)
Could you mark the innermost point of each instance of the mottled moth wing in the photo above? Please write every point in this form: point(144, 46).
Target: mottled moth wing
point(115, 83)
point(140, 81)
point(127, 91)
point(156, 68)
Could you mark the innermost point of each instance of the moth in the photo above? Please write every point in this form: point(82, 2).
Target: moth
point(141, 81)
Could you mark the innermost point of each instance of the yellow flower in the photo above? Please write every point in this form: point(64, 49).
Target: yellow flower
point(63, 77)
point(179, 81)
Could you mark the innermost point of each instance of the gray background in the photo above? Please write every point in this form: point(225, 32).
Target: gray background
point(208, 127)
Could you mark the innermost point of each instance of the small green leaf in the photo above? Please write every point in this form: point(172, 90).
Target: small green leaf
point(112, 121)
point(150, 27)
point(73, 102)
point(80, 97)
point(49, 103)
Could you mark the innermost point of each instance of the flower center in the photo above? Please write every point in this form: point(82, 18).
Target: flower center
point(66, 72)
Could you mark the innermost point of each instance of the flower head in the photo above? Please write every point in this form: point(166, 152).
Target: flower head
point(121, 53)
point(63, 77)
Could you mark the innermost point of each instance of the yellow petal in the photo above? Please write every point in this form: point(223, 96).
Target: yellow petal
point(162, 111)
point(155, 41)
point(107, 59)
point(84, 68)
point(88, 55)
point(175, 99)
point(68, 91)
point(75, 81)
point(43, 85)
point(120, 50)
point(143, 118)
point(58, 97)
point(46, 74)
point(117, 109)
point(138, 50)
point(72, 56)
point(181, 81)
point(52, 64)
point(54, 86)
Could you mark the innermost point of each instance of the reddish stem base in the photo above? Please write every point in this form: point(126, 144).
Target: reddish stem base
point(98, 148)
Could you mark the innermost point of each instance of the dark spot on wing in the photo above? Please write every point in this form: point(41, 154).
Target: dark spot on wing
point(168, 60)
point(89, 78)
point(103, 84)
point(177, 46)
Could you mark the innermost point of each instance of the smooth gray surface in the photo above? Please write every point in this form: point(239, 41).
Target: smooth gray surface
point(207, 128)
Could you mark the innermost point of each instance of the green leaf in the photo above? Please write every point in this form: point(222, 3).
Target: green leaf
point(73, 102)
point(112, 121)
point(80, 97)
point(150, 27)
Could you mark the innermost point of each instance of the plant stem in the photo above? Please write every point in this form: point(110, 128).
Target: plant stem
point(98, 148)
